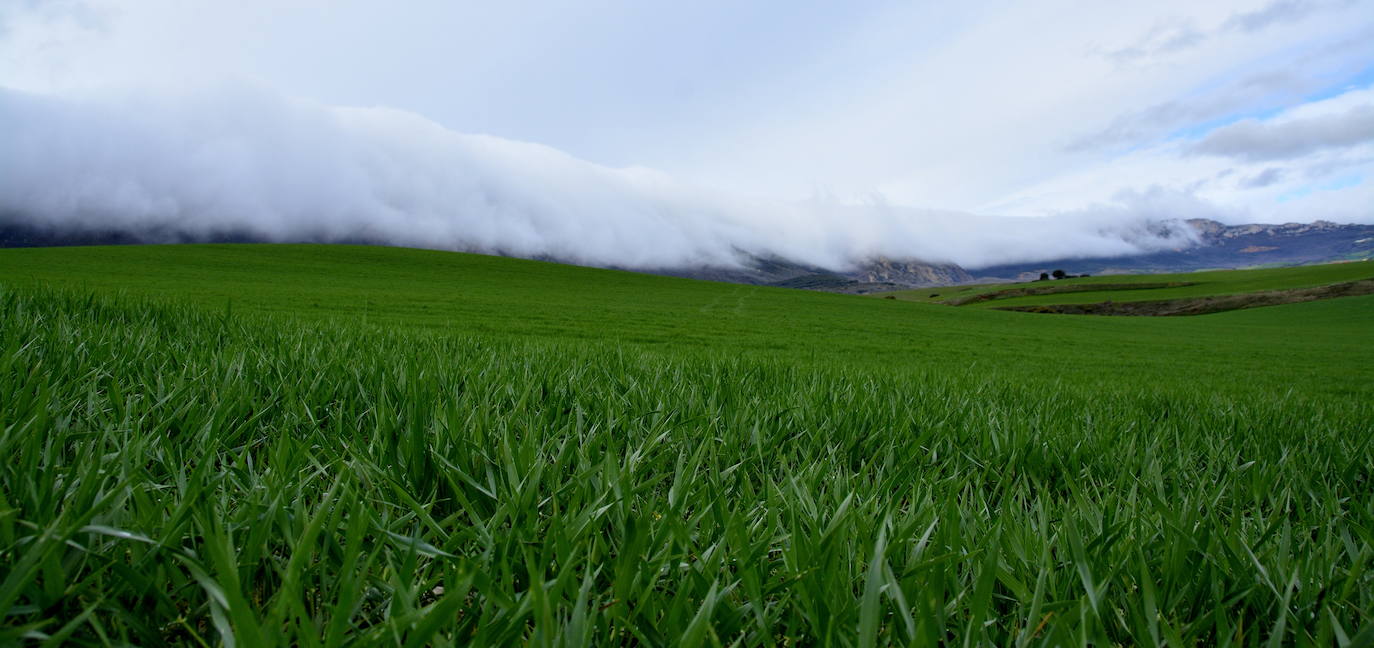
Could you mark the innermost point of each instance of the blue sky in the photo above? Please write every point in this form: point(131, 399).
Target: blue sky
point(1048, 108)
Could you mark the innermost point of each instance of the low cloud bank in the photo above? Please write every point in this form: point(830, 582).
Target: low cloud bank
point(246, 161)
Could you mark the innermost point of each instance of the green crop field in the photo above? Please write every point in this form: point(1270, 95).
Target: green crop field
point(1078, 290)
point(325, 446)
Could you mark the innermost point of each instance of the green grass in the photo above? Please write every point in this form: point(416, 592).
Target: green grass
point(511, 298)
point(282, 445)
point(1204, 284)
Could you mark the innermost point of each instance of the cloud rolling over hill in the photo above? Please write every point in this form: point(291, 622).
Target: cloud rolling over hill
point(242, 160)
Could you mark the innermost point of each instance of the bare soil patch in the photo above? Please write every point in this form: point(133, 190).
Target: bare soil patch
point(1205, 305)
point(1030, 291)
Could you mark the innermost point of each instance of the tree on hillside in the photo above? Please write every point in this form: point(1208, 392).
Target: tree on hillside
point(1058, 274)
point(1044, 276)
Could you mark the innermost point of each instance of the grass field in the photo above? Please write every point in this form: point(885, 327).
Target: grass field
point(302, 445)
point(1201, 284)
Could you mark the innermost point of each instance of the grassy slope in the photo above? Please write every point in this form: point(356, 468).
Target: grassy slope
point(510, 297)
point(670, 461)
point(1220, 282)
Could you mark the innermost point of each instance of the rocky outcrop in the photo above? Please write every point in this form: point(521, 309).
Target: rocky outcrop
point(1213, 232)
point(878, 274)
point(909, 273)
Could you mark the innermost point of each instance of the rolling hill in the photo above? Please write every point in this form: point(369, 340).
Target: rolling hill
point(477, 294)
point(336, 445)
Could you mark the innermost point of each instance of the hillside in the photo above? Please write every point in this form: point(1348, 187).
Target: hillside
point(1142, 288)
point(331, 445)
point(877, 275)
point(476, 294)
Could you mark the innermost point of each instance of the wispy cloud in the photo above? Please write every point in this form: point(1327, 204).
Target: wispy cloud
point(1164, 38)
point(1276, 12)
point(1307, 74)
point(1178, 34)
point(1256, 140)
point(1265, 178)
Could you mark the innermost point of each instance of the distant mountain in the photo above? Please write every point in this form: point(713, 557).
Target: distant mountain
point(1220, 246)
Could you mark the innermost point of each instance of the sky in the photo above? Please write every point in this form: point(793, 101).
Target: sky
point(643, 133)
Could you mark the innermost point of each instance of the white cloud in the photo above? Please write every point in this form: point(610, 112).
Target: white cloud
point(234, 159)
point(1278, 12)
point(1315, 178)
point(1256, 140)
point(964, 107)
point(1265, 178)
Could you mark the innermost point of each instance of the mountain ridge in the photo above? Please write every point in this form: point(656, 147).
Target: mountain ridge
point(1220, 246)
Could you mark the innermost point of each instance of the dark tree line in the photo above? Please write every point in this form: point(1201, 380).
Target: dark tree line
point(1059, 274)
